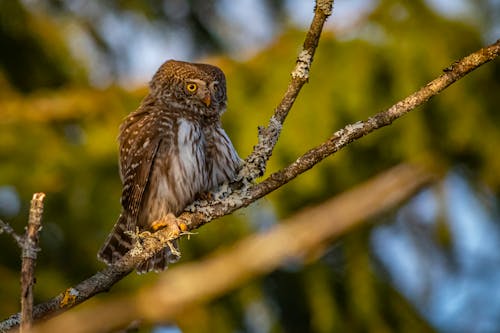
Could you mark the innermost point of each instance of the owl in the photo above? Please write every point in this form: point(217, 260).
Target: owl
point(172, 149)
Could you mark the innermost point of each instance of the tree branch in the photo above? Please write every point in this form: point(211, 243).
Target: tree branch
point(29, 255)
point(255, 163)
point(5, 227)
point(205, 212)
point(227, 201)
point(199, 282)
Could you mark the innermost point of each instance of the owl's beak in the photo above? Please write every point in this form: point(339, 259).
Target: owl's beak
point(206, 99)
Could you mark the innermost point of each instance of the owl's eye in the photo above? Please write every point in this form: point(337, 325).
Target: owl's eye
point(191, 87)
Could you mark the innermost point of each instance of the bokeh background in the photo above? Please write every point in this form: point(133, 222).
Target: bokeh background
point(70, 70)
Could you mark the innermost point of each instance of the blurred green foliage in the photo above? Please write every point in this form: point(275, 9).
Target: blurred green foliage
point(58, 135)
point(34, 53)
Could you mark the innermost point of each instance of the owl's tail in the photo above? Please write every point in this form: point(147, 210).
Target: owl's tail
point(159, 262)
point(120, 241)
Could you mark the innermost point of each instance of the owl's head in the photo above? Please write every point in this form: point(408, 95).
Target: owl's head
point(196, 87)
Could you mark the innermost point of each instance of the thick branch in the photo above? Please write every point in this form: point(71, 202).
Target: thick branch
point(200, 282)
point(29, 255)
point(208, 211)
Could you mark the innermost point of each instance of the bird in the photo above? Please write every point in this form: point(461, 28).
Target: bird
point(172, 149)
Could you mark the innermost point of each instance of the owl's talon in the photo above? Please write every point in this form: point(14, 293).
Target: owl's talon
point(176, 226)
point(168, 220)
point(173, 250)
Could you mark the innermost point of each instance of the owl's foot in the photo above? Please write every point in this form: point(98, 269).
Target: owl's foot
point(176, 226)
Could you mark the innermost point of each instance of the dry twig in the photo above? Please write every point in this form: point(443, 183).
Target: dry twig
point(5, 227)
point(29, 255)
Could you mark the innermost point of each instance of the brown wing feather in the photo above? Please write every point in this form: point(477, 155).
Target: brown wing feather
point(139, 142)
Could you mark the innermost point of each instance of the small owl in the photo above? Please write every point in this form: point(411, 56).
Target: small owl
point(172, 148)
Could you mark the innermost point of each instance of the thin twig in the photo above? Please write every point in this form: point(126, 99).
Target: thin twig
point(5, 227)
point(255, 163)
point(202, 281)
point(29, 255)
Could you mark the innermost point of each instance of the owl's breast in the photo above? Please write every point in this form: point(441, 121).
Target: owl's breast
point(179, 172)
point(191, 161)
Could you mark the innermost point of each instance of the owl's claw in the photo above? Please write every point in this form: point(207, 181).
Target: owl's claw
point(173, 249)
point(176, 226)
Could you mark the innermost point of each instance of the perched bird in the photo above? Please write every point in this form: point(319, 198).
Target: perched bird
point(172, 148)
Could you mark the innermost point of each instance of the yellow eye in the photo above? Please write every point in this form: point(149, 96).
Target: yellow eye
point(191, 87)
